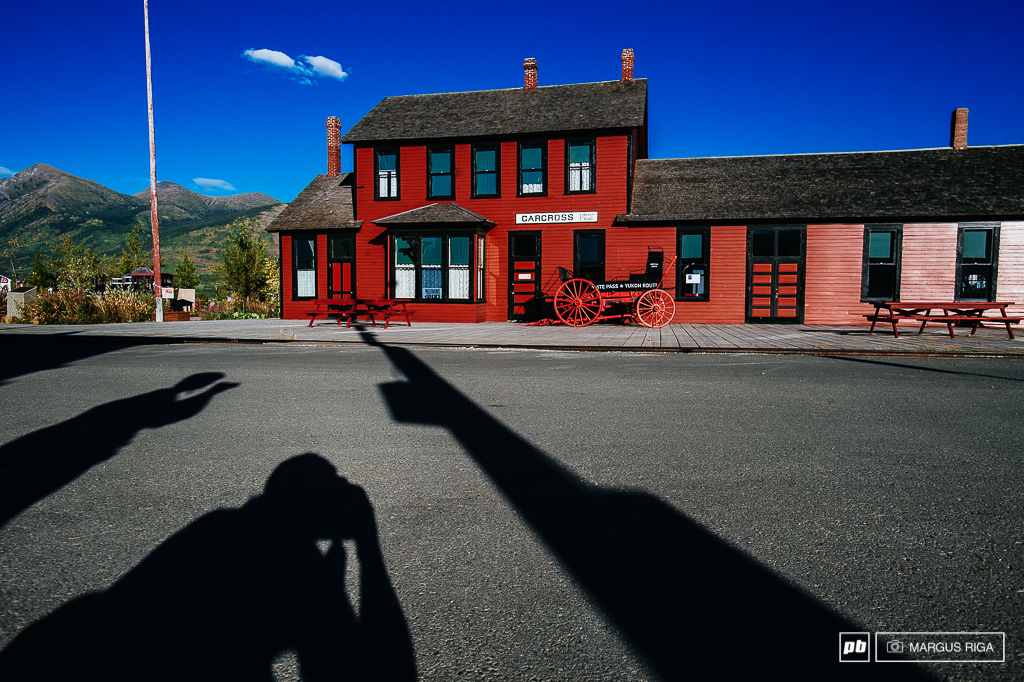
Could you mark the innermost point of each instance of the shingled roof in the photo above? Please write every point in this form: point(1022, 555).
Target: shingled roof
point(516, 111)
point(325, 204)
point(449, 213)
point(977, 182)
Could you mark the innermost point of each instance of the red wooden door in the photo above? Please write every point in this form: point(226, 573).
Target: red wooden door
point(524, 281)
point(775, 274)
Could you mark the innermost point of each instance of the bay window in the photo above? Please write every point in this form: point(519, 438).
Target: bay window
point(437, 267)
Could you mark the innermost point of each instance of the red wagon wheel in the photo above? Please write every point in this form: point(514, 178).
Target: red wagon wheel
point(655, 308)
point(578, 302)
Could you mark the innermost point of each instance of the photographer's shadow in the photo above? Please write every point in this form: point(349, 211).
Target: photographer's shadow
point(220, 599)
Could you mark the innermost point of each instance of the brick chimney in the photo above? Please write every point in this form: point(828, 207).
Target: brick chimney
point(333, 147)
point(958, 130)
point(530, 75)
point(627, 65)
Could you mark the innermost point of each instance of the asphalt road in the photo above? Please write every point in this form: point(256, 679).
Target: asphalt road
point(542, 515)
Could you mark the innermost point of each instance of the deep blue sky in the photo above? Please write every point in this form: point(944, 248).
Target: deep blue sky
point(725, 77)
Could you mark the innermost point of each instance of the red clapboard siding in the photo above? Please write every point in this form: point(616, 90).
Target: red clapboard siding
point(727, 280)
point(832, 283)
point(928, 268)
point(622, 255)
point(1010, 277)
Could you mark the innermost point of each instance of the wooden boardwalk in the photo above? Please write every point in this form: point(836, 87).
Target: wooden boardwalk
point(604, 336)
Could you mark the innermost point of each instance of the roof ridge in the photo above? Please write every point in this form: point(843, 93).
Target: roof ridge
point(539, 87)
point(872, 151)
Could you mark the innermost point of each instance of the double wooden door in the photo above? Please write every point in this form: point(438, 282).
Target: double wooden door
point(775, 273)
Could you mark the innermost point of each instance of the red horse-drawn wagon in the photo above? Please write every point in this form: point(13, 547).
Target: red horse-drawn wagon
point(640, 298)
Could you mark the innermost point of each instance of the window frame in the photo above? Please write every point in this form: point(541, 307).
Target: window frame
point(576, 142)
point(295, 267)
point(897, 230)
point(377, 152)
point(992, 264)
point(531, 144)
point(576, 234)
point(448, 149)
point(474, 290)
point(705, 261)
point(496, 148)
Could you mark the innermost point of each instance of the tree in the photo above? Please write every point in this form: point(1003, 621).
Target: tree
point(131, 254)
point(246, 266)
point(42, 276)
point(186, 276)
point(13, 244)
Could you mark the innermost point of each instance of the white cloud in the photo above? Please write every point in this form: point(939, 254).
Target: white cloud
point(211, 184)
point(271, 57)
point(5, 172)
point(305, 73)
point(326, 67)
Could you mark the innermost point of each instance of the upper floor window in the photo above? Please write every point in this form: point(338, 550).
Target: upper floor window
point(881, 274)
point(579, 166)
point(387, 174)
point(533, 175)
point(977, 253)
point(441, 165)
point(485, 171)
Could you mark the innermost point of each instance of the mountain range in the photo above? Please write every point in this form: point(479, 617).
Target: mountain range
point(41, 204)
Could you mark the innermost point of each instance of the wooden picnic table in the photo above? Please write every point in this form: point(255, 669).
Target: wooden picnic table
point(952, 312)
point(354, 308)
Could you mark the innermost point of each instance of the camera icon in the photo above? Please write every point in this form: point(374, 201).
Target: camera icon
point(894, 646)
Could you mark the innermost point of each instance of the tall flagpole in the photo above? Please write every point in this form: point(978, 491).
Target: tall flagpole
point(157, 281)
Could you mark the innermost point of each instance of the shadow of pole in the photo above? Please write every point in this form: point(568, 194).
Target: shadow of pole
point(40, 463)
point(691, 605)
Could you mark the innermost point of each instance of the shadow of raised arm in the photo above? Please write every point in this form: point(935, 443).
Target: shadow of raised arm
point(42, 462)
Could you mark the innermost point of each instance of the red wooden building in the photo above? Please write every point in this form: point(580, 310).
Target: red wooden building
point(466, 203)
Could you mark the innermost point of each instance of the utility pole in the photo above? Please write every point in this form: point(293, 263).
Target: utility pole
point(157, 280)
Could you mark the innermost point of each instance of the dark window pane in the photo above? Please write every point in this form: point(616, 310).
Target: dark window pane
point(579, 153)
point(485, 160)
point(441, 185)
point(304, 254)
point(975, 282)
point(440, 162)
point(789, 243)
point(458, 250)
point(880, 247)
point(589, 249)
point(487, 184)
point(524, 246)
point(763, 243)
point(882, 282)
point(431, 251)
point(387, 162)
point(405, 251)
point(977, 246)
point(691, 246)
point(343, 247)
point(531, 158)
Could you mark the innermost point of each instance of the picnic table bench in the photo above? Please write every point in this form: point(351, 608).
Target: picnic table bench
point(354, 308)
point(952, 313)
